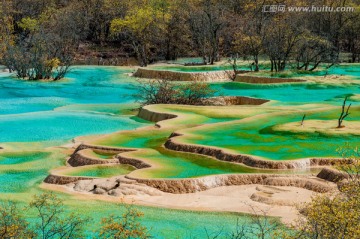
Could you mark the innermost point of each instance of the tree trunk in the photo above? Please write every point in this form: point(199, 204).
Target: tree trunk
point(256, 60)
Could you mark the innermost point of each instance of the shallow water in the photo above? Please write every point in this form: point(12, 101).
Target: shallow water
point(20, 185)
point(28, 110)
point(258, 138)
point(97, 100)
point(352, 70)
point(17, 158)
point(290, 93)
point(100, 171)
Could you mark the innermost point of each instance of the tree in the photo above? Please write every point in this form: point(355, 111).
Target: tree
point(54, 222)
point(206, 22)
point(249, 34)
point(257, 225)
point(44, 48)
point(6, 25)
point(176, 40)
point(12, 223)
point(193, 93)
point(350, 34)
point(141, 25)
point(124, 227)
point(313, 50)
point(336, 215)
point(281, 36)
point(344, 113)
point(233, 63)
point(302, 120)
point(155, 92)
point(167, 92)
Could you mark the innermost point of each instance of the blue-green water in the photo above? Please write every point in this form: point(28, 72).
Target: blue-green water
point(29, 110)
point(258, 138)
point(338, 70)
point(17, 158)
point(20, 181)
point(290, 93)
point(94, 100)
point(53, 126)
point(287, 93)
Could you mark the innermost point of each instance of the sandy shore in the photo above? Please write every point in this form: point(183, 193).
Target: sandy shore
point(274, 201)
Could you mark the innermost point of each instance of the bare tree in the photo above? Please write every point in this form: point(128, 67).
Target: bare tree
point(258, 225)
point(302, 120)
point(166, 92)
point(12, 223)
point(232, 74)
point(239, 232)
point(262, 226)
point(206, 22)
point(343, 114)
point(54, 222)
point(313, 50)
point(155, 92)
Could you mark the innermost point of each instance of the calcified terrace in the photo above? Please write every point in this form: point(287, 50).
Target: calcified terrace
point(249, 148)
point(188, 144)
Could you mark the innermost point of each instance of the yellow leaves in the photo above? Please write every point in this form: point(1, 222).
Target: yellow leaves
point(336, 215)
point(29, 24)
point(125, 226)
point(110, 5)
point(34, 24)
point(6, 27)
point(12, 225)
point(53, 63)
point(137, 21)
point(140, 18)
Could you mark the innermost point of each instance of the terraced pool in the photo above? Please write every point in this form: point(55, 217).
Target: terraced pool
point(100, 171)
point(42, 116)
point(259, 136)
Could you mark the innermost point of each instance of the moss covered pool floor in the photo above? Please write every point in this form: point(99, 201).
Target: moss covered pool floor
point(95, 105)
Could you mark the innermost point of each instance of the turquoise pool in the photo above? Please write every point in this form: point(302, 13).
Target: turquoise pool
point(60, 111)
point(97, 100)
point(290, 93)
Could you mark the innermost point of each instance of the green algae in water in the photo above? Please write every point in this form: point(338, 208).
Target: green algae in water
point(287, 93)
point(91, 85)
point(163, 223)
point(101, 154)
point(100, 171)
point(16, 158)
point(257, 138)
point(20, 181)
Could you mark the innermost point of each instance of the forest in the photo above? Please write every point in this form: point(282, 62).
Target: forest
point(38, 36)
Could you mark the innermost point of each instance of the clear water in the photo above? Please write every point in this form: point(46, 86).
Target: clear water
point(53, 111)
point(17, 158)
point(258, 138)
point(20, 181)
point(44, 126)
point(289, 93)
point(101, 171)
point(96, 100)
point(352, 70)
